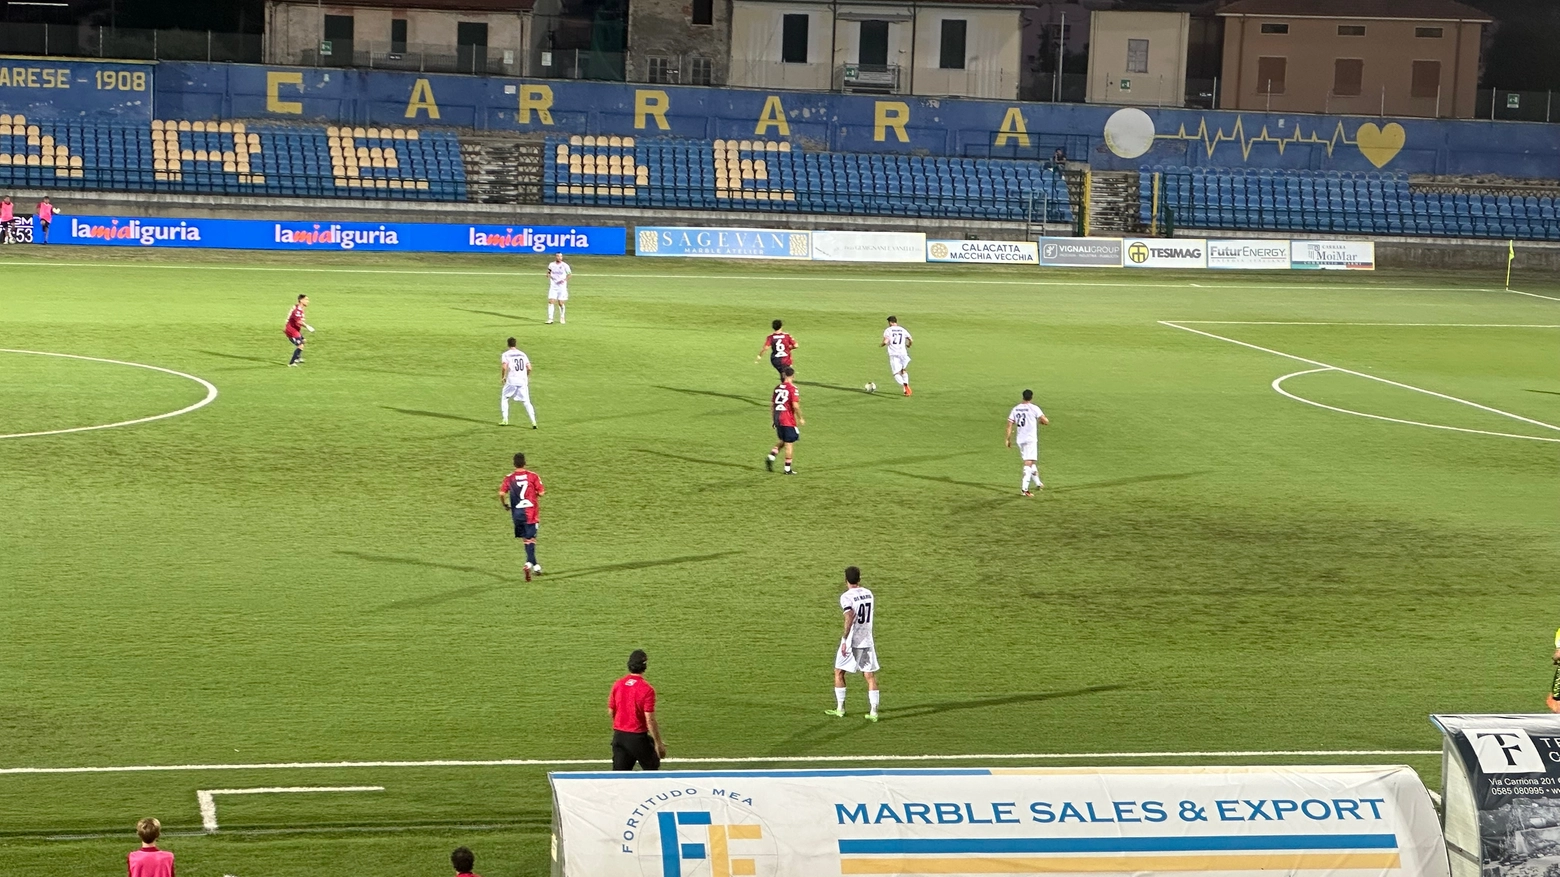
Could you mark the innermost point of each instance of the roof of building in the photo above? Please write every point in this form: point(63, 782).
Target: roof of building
point(1417, 10)
point(435, 5)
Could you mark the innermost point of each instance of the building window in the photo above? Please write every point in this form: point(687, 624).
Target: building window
point(872, 51)
point(1351, 30)
point(1270, 75)
point(952, 54)
point(1427, 79)
point(1429, 33)
point(1347, 76)
point(703, 11)
point(660, 70)
point(1137, 56)
point(337, 45)
point(398, 36)
point(701, 71)
point(793, 39)
point(1275, 28)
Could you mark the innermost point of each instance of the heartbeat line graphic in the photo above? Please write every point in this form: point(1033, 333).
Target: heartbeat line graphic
point(1238, 135)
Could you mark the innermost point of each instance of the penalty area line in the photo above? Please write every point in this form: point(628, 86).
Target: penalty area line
point(774, 759)
point(1324, 366)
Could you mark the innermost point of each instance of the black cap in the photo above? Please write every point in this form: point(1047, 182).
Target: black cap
point(637, 661)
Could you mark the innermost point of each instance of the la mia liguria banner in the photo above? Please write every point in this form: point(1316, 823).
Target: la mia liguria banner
point(1502, 799)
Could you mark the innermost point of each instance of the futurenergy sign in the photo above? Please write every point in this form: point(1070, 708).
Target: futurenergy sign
point(1249, 254)
point(1166, 253)
point(1315, 821)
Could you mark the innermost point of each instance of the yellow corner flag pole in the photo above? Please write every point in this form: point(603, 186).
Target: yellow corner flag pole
point(1511, 256)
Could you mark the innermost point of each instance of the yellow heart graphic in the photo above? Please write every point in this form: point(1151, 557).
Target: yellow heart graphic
point(1380, 145)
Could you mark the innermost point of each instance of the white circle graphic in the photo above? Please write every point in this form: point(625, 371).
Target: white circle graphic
point(1129, 132)
point(211, 394)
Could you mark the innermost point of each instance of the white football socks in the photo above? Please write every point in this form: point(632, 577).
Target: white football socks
point(549, 312)
point(872, 699)
point(530, 411)
point(503, 405)
point(839, 699)
point(563, 312)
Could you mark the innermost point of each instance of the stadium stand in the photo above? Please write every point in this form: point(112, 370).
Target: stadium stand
point(233, 158)
point(1352, 203)
point(771, 176)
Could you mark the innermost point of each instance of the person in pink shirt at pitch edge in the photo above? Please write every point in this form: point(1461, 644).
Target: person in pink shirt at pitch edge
point(7, 213)
point(149, 861)
point(42, 218)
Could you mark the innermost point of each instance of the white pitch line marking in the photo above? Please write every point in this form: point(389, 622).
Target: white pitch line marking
point(1329, 367)
point(1278, 385)
point(776, 759)
point(211, 394)
point(1529, 294)
point(1125, 284)
point(1321, 323)
point(207, 799)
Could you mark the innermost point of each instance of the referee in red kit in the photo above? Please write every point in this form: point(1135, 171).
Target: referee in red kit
point(635, 735)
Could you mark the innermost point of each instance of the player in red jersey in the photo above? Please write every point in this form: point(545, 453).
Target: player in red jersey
point(787, 405)
point(779, 345)
point(520, 493)
point(294, 329)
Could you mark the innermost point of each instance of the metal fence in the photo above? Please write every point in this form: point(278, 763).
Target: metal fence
point(1517, 106)
point(84, 41)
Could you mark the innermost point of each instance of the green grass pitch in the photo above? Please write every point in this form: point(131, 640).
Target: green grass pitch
point(315, 567)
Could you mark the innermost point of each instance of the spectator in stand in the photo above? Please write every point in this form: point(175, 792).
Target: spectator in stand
point(45, 215)
point(149, 861)
point(1060, 158)
point(7, 214)
point(463, 860)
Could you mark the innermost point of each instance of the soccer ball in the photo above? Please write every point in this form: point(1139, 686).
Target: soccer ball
point(870, 387)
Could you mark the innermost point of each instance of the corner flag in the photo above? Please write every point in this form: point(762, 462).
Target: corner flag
point(1511, 256)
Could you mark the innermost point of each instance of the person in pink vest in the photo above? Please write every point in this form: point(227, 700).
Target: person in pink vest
point(149, 861)
point(7, 214)
point(43, 217)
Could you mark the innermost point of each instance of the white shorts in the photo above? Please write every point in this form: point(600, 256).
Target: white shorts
point(518, 392)
point(558, 292)
point(897, 364)
point(1028, 450)
point(858, 661)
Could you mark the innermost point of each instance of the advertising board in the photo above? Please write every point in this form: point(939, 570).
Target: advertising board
point(1367, 821)
point(868, 246)
point(995, 252)
point(1166, 253)
point(723, 243)
point(256, 234)
point(1502, 793)
point(1249, 254)
point(1334, 255)
point(1081, 252)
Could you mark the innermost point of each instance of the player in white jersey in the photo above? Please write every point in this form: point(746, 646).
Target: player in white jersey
point(857, 652)
point(898, 342)
point(558, 272)
point(516, 369)
point(1028, 418)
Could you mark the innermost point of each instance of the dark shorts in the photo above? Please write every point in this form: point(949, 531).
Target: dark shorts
point(788, 434)
point(779, 364)
point(524, 530)
point(629, 748)
point(296, 342)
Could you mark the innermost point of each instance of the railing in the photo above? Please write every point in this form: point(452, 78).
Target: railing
point(420, 57)
point(582, 64)
point(123, 179)
point(1355, 205)
point(1035, 207)
point(1517, 106)
point(868, 78)
point(84, 41)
